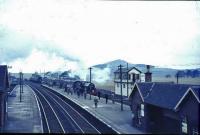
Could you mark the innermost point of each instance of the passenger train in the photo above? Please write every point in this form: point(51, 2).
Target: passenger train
point(71, 84)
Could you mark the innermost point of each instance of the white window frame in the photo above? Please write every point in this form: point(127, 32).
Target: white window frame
point(184, 125)
point(142, 110)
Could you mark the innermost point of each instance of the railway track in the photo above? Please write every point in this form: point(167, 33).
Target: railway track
point(59, 116)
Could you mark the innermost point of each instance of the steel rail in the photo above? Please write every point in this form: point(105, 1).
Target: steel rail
point(66, 112)
point(83, 118)
point(77, 113)
point(51, 109)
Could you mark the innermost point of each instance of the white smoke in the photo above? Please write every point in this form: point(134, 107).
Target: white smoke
point(101, 75)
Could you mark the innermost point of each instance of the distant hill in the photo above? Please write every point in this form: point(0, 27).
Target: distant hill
point(114, 64)
point(156, 71)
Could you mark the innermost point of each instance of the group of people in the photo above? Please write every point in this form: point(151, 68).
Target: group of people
point(99, 94)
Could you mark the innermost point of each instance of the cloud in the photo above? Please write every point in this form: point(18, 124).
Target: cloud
point(42, 62)
point(32, 55)
point(12, 46)
point(92, 32)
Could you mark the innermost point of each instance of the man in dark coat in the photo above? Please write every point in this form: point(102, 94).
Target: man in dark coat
point(106, 96)
point(99, 95)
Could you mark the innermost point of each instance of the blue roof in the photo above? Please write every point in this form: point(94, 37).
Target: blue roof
point(165, 95)
point(144, 88)
point(196, 90)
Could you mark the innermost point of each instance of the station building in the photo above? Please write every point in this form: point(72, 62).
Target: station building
point(129, 77)
point(165, 107)
point(4, 87)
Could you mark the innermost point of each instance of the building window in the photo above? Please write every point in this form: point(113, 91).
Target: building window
point(124, 76)
point(184, 125)
point(142, 110)
point(137, 76)
point(124, 86)
point(129, 76)
point(133, 77)
point(117, 84)
point(117, 76)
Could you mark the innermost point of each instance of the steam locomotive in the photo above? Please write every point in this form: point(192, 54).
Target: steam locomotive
point(84, 86)
point(36, 78)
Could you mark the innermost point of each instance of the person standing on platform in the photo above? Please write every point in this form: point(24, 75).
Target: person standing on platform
point(99, 95)
point(106, 96)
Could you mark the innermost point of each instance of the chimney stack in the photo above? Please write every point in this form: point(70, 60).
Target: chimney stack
point(148, 74)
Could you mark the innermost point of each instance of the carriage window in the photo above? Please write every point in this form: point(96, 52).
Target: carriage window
point(184, 125)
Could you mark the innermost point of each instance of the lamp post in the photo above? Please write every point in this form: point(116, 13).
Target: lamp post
point(120, 69)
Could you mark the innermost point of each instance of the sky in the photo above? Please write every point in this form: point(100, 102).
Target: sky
point(52, 35)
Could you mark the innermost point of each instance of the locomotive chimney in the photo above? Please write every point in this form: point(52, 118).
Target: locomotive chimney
point(148, 74)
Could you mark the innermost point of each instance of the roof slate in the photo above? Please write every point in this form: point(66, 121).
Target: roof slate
point(144, 88)
point(165, 95)
point(196, 90)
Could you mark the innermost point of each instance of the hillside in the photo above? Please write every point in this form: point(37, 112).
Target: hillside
point(156, 71)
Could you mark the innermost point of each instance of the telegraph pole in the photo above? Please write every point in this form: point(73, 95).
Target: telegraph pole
point(20, 86)
point(90, 79)
point(22, 82)
point(127, 79)
point(120, 68)
point(90, 74)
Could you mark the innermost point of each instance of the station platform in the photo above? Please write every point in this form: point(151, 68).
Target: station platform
point(109, 113)
point(24, 116)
